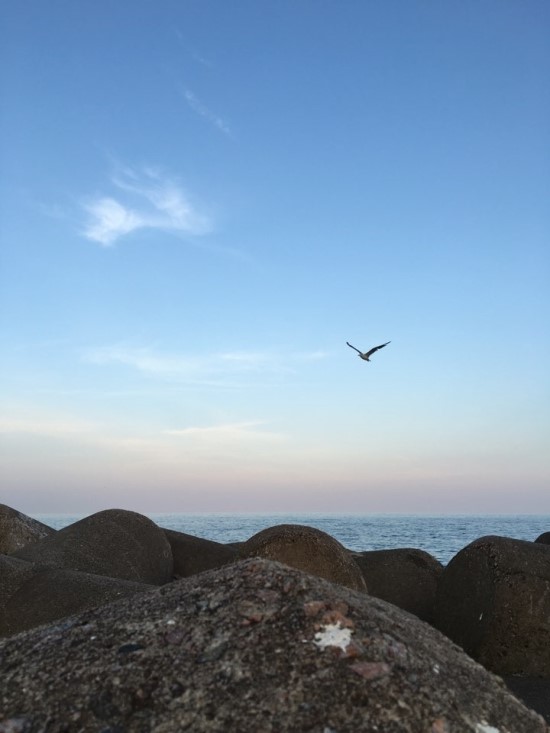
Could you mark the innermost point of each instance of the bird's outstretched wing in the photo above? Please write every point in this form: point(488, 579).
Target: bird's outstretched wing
point(352, 347)
point(375, 348)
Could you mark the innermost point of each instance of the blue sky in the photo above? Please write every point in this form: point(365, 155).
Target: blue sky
point(201, 202)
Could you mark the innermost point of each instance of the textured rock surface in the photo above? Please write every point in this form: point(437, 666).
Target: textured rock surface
point(114, 542)
point(194, 555)
point(252, 647)
point(34, 595)
point(493, 600)
point(18, 530)
point(13, 573)
point(406, 577)
point(307, 549)
point(544, 538)
point(533, 691)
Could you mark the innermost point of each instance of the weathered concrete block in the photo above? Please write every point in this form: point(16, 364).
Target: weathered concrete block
point(493, 599)
point(194, 555)
point(115, 542)
point(252, 647)
point(307, 549)
point(405, 577)
point(13, 573)
point(18, 530)
point(35, 595)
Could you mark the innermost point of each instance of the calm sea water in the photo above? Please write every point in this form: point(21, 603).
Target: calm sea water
point(442, 535)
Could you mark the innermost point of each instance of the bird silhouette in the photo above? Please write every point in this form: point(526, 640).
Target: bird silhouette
point(365, 355)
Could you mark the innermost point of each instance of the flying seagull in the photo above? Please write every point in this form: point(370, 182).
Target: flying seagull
point(368, 353)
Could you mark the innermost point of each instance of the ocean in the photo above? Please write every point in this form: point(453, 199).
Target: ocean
point(440, 535)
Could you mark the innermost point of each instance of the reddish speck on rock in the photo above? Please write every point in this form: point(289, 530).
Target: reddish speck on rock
point(371, 670)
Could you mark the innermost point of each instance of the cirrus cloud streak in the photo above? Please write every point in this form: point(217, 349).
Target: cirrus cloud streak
point(199, 368)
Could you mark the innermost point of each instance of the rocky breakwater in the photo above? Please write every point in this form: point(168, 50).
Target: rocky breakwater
point(142, 628)
point(104, 557)
point(254, 646)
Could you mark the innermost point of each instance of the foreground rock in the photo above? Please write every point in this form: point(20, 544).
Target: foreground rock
point(493, 599)
point(32, 595)
point(115, 542)
point(307, 549)
point(253, 647)
point(18, 530)
point(405, 577)
point(194, 555)
point(534, 692)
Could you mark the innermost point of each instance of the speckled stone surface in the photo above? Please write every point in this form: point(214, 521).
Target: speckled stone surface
point(252, 647)
point(493, 599)
point(194, 555)
point(43, 595)
point(406, 577)
point(114, 542)
point(308, 549)
point(18, 530)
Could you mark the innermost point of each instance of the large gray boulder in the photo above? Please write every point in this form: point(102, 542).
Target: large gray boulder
point(252, 647)
point(307, 549)
point(18, 530)
point(405, 577)
point(32, 595)
point(493, 599)
point(114, 542)
point(194, 555)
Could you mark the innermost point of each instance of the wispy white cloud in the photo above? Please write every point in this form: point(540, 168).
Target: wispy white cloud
point(145, 199)
point(206, 368)
point(145, 360)
point(116, 440)
point(238, 432)
point(110, 220)
point(203, 111)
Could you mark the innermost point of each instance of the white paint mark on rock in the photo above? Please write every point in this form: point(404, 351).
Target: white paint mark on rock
point(483, 727)
point(333, 635)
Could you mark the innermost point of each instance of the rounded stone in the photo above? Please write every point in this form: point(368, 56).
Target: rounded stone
point(194, 555)
point(253, 646)
point(406, 577)
point(18, 530)
point(493, 599)
point(114, 542)
point(544, 538)
point(308, 549)
point(46, 594)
